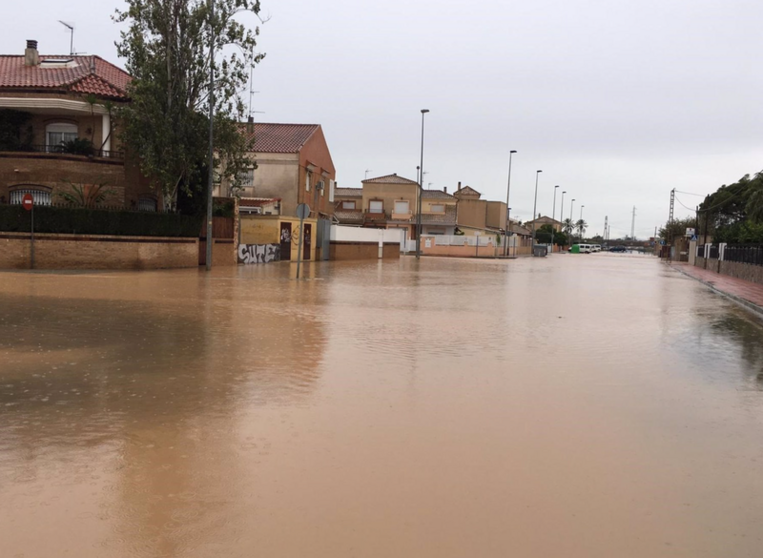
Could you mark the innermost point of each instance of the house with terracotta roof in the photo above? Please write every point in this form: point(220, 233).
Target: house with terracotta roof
point(476, 215)
point(391, 202)
point(57, 130)
point(293, 163)
point(544, 220)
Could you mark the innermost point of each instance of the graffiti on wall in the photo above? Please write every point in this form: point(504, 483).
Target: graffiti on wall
point(258, 253)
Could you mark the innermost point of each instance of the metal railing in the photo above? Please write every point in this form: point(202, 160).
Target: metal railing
point(64, 150)
point(744, 253)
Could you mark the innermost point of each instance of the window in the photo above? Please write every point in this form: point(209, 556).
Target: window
point(401, 206)
point(331, 191)
point(41, 197)
point(246, 179)
point(376, 206)
point(307, 181)
point(348, 205)
point(58, 133)
point(437, 208)
point(146, 204)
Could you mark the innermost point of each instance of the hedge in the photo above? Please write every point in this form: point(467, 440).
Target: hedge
point(68, 220)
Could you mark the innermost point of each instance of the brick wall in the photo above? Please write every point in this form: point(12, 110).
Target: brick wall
point(56, 171)
point(363, 251)
point(57, 251)
point(462, 251)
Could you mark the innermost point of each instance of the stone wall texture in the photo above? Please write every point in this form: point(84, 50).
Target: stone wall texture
point(745, 271)
point(58, 251)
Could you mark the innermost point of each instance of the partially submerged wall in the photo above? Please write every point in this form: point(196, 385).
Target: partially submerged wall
point(67, 251)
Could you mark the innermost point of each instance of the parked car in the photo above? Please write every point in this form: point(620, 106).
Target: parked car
point(618, 249)
point(581, 249)
point(595, 247)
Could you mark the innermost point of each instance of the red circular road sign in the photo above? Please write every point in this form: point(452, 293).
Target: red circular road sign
point(27, 201)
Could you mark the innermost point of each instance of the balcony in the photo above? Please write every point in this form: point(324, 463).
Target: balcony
point(45, 151)
point(375, 215)
point(402, 216)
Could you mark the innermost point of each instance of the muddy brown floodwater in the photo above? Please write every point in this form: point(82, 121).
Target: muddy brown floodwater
point(574, 406)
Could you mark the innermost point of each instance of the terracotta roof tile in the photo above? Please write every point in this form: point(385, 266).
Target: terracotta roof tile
point(345, 216)
point(278, 138)
point(86, 75)
point(436, 194)
point(447, 218)
point(348, 192)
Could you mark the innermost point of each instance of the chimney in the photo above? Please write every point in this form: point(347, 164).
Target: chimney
point(459, 185)
point(250, 125)
point(445, 189)
point(31, 57)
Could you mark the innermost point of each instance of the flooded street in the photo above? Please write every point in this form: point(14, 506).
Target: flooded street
point(574, 406)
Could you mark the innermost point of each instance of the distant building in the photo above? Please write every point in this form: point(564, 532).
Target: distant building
point(391, 202)
point(478, 215)
point(544, 220)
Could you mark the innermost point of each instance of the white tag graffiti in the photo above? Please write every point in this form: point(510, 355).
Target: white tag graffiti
point(258, 253)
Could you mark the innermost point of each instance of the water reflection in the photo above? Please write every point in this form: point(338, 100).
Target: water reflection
point(433, 408)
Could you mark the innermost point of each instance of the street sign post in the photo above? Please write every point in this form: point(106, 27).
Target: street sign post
point(303, 212)
point(28, 202)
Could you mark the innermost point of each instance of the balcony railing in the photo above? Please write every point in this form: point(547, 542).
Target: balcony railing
point(63, 150)
point(375, 215)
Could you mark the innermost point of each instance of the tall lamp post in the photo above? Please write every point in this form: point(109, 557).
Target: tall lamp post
point(535, 204)
point(561, 210)
point(508, 209)
point(553, 216)
point(211, 169)
point(581, 223)
point(572, 232)
point(421, 185)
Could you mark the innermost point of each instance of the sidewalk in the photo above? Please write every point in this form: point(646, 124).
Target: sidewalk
point(749, 295)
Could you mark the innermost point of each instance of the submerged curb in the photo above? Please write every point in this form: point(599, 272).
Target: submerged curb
point(743, 302)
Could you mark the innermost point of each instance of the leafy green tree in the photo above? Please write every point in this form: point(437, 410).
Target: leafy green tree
point(568, 226)
point(543, 236)
point(677, 228)
point(166, 47)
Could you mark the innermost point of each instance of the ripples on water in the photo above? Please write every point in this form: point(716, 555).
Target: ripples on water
point(441, 408)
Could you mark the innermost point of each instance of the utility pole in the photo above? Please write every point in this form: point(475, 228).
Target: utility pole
point(606, 224)
point(211, 169)
point(672, 205)
point(633, 224)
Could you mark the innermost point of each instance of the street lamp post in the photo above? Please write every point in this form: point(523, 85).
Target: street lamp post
point(561, 210)
point(553, 216)
point(421, 185)
point(508, 209)
point(211, 169)
point(535, 204)
point(581, 223)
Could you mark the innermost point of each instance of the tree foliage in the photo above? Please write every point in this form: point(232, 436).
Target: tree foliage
point(734, 212)
point(543, 236)
point(581, 227)
point(677, 228)
point(166, 47)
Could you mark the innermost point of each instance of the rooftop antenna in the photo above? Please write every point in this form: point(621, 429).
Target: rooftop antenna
point(251, 93)
point(70, 27)
point(367, 171)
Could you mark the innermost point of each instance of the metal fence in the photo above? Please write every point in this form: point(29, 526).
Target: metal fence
point(66, 150)
point(744, 253)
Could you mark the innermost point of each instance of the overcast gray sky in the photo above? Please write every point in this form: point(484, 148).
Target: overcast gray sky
point(616, 101)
